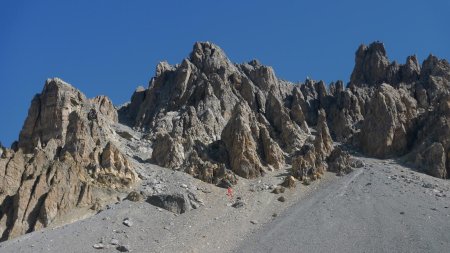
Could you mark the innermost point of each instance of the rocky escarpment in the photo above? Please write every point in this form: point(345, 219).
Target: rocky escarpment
point(63, 160)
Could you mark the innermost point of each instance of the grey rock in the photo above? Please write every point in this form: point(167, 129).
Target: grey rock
point(177, 203)
point(98, 246)
point(238, 204)
point(278, 190)
point(127, 222)
point(281, 199)
point(123, 248)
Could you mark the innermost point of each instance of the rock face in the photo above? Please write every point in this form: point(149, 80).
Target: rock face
point(431, 153)
point(402, 109)
point(213, 118)
point(310, 161)
point(389, 123)
point(64, 160)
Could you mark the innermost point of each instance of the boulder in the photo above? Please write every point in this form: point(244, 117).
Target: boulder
point(177, 202)
point(289, 182)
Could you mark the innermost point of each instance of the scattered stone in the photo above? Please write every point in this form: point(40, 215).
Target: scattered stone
point(427, 185)
point(254, 222)
point(206, 191)
point(306, 181)
point(96, 206)
point(274, 215)
point(225, 183)
point(134, 196)
point(114, 242)
point(238, 204)
point(402, 212)
point(278, 190)
point(127, 222)
point(98, 246)
point(123, 248)
point(289, 182)
point(282, 199)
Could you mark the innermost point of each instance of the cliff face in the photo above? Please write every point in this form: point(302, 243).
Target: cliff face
point(217, 120)
point(64, 160)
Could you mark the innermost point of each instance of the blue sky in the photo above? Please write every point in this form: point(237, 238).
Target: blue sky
point(110, 47)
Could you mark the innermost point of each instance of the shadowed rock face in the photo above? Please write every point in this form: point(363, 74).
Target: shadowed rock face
point(64, 160)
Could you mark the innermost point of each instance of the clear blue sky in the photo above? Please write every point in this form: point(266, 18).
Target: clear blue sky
point(110, 47)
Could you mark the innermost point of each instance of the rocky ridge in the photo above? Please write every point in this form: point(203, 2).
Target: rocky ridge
point(214, 119)
point(219, 121)
point(199, 113)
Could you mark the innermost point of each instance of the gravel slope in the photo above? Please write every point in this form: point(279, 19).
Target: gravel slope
point(214, 227)
point(381, 208)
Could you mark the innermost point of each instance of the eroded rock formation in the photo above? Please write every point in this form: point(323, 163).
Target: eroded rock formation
point(210, 117)
point(64, 160)
point(204, 110)
point(217, 120)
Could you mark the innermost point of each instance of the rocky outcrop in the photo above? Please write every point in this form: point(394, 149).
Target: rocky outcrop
point(310, 161)
point(431, 153)
point(341, 163)
point(210, 117)
point(401, 109)
point(373, 68)
point(64, 160)
point(389, 123)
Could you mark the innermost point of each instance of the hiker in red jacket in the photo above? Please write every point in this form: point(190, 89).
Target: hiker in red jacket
point(230, 192)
